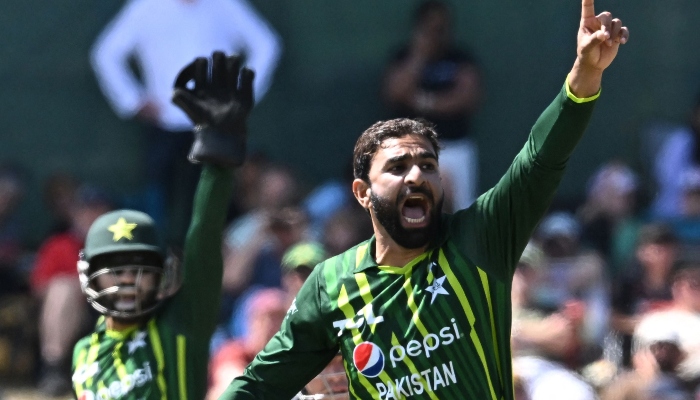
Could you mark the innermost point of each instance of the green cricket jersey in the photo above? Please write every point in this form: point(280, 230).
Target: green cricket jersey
point(167, 357)
point(438, 327)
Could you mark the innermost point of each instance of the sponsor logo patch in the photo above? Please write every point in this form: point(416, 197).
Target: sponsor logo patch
point(368, 359)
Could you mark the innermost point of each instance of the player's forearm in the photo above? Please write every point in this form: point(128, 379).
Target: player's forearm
point(559, 129)
point(203, 260)
point(246, 388)
point(210, 205)
point(527, 188)
point(584, 81)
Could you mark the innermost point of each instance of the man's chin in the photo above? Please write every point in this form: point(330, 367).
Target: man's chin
point(412, 238)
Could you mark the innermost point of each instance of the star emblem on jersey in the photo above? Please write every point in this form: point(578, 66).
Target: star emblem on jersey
point(437, 288)
point(137, 342)
point(122, 229)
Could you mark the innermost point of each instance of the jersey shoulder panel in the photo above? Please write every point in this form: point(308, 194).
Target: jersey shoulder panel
point(337, 270)
point(82, 344)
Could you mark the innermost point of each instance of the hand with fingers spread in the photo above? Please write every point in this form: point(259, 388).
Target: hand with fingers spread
point(599, 39)
point(218, 105)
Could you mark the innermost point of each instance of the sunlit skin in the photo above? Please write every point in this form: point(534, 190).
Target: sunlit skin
point(398, 164)
point(599, 39)
point(126, 277)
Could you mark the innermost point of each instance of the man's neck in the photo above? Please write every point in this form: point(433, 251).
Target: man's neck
point(119, 325)
point(388, 252)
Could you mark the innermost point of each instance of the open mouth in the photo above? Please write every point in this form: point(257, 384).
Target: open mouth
point(126, 299)
point(415, 209)
point(125, 303)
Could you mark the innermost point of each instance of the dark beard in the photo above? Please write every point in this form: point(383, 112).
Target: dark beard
point(389, 216)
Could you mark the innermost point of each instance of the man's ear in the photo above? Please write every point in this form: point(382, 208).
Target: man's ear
point(362, 191)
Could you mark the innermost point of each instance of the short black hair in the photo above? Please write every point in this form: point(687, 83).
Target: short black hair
point(370, 140)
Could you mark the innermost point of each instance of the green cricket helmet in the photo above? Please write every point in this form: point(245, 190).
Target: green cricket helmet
point(124, 270)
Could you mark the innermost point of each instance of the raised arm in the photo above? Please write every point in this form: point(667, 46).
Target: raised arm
point(509, 212)
point(218, 105)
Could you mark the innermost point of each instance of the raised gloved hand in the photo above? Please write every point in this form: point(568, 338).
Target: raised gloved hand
point(218, 105)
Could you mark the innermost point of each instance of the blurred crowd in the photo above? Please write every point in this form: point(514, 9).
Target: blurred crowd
point(606, 297)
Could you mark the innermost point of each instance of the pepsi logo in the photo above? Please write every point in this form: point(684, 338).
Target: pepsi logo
point(87, 395)
point(368, 359)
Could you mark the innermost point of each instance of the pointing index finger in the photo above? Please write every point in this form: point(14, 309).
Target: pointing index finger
point(587, 9)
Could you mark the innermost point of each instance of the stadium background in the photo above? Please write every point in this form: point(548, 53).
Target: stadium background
point(326, 90)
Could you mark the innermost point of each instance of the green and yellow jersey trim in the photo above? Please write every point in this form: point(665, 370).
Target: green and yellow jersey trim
point(160, 358)
point(181, 364)
point(579, 100)
point(466, 306)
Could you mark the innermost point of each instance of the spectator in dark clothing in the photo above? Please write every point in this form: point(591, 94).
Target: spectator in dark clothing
point(58, 192)
point(687, 224)
point(11, 247)
point(434, 79)
point(609, 216)
point(647, 285)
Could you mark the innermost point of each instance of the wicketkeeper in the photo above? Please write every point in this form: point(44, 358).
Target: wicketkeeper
point(159, 312)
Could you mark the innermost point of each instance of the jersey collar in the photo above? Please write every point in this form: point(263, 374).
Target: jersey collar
point(364, 258)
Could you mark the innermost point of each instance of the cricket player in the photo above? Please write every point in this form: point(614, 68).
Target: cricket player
point(152, 341)
point(422, 309)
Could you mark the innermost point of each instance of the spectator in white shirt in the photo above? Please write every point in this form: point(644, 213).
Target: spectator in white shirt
point(161, 36)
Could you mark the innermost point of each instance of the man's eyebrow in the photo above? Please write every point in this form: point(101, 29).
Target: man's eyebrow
point(427, 154)
point(405, 156)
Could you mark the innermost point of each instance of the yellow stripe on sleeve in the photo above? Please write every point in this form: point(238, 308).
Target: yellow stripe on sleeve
point(160, 358)
point(181, 363)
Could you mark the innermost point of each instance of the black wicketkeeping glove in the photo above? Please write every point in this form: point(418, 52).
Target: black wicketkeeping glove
point(218, 105)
